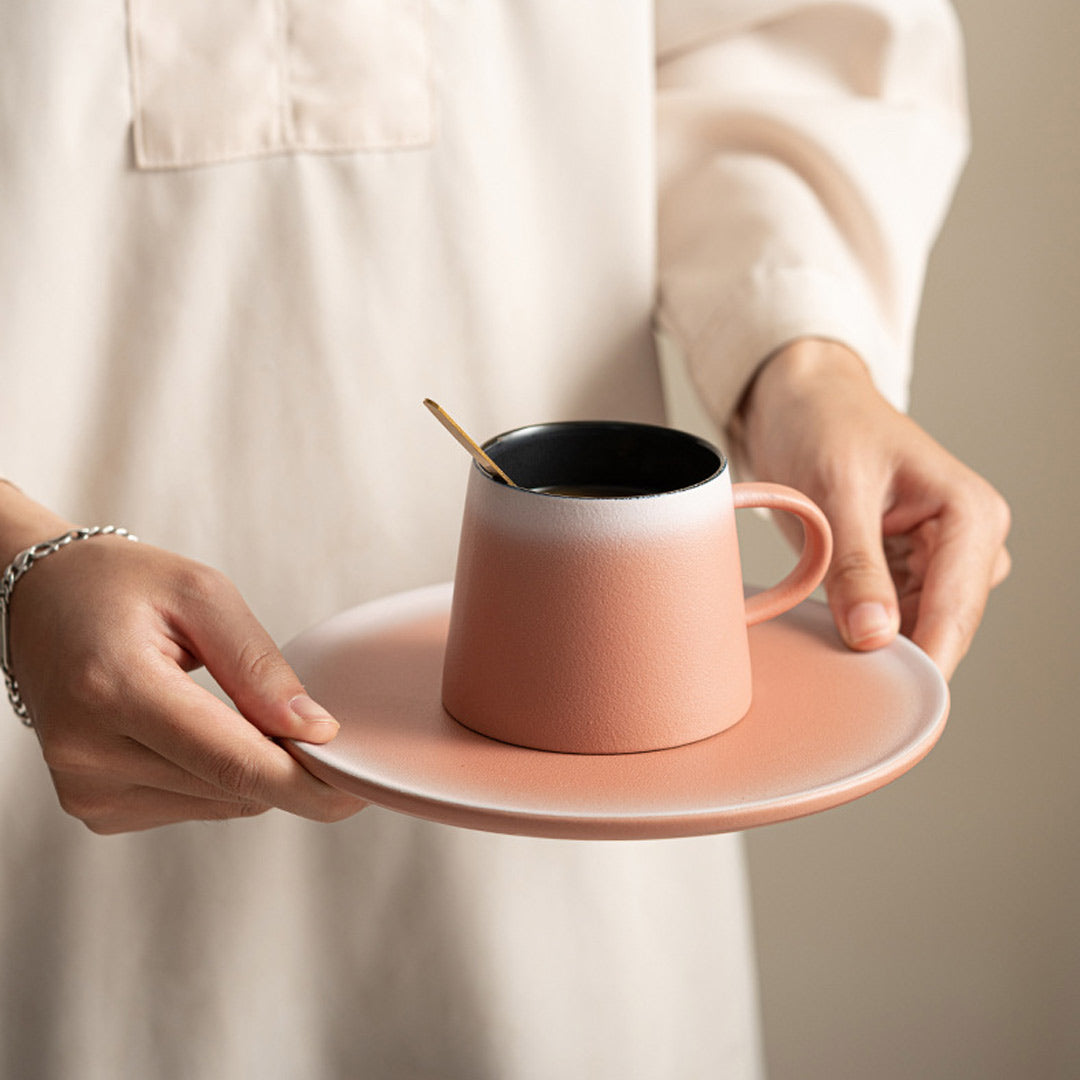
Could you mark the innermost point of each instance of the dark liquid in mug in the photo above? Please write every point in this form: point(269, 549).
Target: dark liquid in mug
point(594, 491)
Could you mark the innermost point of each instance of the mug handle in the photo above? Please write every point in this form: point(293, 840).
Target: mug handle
point(816, 552)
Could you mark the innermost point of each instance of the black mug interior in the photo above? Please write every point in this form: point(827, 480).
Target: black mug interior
point(641, 459)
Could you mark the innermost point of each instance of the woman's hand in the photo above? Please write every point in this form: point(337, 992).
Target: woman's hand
point(103, 634)
point(919, 539)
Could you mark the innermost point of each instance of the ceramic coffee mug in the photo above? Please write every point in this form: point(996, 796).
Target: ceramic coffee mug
point(598, 607)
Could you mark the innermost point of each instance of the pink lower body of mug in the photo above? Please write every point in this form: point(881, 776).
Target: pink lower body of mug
point(598, 647)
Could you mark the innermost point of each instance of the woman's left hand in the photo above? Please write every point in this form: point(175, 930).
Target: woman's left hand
point(919, 538)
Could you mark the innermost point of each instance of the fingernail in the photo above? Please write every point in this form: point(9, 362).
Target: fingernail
point(311, 712)
point(866, 621)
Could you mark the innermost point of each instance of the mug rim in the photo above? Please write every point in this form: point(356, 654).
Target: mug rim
point(612, 426)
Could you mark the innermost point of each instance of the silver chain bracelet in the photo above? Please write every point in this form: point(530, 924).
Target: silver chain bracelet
point(19, 566)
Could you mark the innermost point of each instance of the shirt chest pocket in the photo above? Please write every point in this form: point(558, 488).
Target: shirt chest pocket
point(217, 80)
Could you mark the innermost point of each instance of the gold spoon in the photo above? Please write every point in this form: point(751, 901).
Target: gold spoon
point(462, 437)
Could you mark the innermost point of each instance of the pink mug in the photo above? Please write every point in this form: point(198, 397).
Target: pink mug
point(598, 606)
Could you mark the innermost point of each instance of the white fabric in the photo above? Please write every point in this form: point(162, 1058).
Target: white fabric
point(239, 243)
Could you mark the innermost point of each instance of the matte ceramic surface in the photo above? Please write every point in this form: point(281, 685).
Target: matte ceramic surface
point(826, 726)
point(610, 625)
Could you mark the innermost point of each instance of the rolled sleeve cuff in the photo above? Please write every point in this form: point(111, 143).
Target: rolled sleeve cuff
point(772, 308)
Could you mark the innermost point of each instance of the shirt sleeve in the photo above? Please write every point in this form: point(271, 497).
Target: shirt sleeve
point(807, 156)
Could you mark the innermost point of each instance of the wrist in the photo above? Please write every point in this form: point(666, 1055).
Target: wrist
point(24, 522)
point(9, 579)
point(791, 379)
point(799, 369)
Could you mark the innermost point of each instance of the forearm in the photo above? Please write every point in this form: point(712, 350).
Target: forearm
point(805, 160)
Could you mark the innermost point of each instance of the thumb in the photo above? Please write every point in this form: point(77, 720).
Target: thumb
point(238, 652)
point(858, 584)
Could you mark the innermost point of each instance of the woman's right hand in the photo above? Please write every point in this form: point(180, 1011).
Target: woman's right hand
point(103, 635)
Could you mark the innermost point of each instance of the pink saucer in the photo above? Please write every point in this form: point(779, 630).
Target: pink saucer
point(827, 725)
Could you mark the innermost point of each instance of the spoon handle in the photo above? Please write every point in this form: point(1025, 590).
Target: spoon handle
point(462, 437)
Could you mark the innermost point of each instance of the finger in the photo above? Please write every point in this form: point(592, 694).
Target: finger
point(124, 763)
point(959, 577)
point(110, 810)
point(859, 586)
point(1002, 567)
point(189, 726)
point(221, 631)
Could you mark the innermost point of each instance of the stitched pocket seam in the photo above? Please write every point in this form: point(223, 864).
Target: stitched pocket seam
point(395, 119)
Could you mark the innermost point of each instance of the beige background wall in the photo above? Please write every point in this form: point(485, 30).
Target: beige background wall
point(932, 930)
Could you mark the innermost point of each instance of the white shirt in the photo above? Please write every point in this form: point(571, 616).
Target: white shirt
point(239, 242)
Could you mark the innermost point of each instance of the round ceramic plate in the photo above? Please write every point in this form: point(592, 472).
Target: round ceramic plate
point(827, 725)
